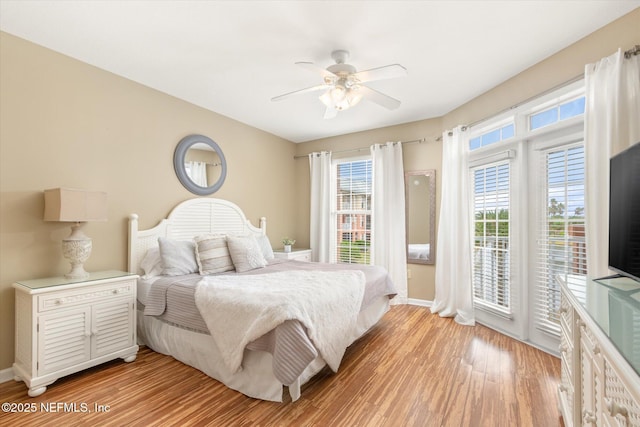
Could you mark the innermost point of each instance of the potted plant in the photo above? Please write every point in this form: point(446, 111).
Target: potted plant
point(287, 242)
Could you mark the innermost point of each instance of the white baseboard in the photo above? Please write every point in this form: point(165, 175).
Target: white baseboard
point(6, 375)
point(420, 302)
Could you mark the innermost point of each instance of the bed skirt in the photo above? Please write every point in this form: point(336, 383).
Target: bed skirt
point(256, 378)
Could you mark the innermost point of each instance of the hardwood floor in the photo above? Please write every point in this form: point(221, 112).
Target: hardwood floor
point(412, 369)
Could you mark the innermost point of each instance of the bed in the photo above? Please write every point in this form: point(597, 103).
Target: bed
point(263, 327)
point(419, 251)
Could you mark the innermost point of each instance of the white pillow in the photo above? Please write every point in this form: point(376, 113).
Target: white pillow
point(178, 256)
point(265, 245)
point(151, 264)
point(245, 253)
point(212, 254)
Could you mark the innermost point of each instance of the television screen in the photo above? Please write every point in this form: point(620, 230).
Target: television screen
point(624, 213)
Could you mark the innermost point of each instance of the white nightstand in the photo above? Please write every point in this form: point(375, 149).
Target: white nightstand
point(297, 254)
point(64, 326)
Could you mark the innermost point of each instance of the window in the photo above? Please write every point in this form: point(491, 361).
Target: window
point(561, 247)
point(353, 211)
point(492, 136)
point(491, 251)
point(559, 112)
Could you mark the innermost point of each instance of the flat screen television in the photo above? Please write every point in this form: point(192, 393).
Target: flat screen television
point(624, 213)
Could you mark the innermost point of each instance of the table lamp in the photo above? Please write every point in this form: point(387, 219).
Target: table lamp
point(79, 207)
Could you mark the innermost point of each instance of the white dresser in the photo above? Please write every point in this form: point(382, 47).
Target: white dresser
point(297, 254)
point(64, 326)
point(600, 352)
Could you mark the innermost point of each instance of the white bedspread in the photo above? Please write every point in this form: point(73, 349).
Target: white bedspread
point(240, 309)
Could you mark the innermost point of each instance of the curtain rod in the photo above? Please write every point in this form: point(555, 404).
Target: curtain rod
point(632, 52)
point(413, 141)
point(627, 54)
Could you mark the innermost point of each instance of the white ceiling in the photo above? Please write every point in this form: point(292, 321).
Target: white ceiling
point(232, 57)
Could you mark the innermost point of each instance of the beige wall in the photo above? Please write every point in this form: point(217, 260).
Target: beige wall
point(557, 69)
point(66, 123)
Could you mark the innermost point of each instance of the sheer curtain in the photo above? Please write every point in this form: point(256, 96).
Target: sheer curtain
point(198, 173)
point(388, 232)
point(320, 219)
point(453, 269)
point(612, 124)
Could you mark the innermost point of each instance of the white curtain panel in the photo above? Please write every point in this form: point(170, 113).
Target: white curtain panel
point(453, 270)
point(388, 232)
point(612, 124)
point(320, 227)
point(198, 173)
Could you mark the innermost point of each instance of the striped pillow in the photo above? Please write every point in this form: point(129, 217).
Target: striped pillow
point(212, 254)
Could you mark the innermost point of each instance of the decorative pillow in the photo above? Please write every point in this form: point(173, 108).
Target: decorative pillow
point(178, 257)
point(245, 253)
point(151, 264)
point(212, 254)
point(265, 246)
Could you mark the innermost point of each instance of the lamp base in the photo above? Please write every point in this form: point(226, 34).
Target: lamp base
point(77, 249)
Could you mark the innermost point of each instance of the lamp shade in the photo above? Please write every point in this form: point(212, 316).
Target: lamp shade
point(73, 205)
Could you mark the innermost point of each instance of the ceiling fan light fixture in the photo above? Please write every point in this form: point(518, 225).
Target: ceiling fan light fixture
point(326, 99)
point(353, 96)
point(341, 98)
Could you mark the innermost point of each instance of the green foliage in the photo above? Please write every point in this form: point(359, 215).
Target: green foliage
point(356, 252)
point(492, 223)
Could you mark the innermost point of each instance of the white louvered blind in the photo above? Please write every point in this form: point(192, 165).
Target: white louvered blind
point(353, 212)
point(491, 246)
point(561, 243)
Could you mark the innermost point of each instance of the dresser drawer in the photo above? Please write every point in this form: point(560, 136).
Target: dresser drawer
point(566, 351)
point(86, 295)
point(620, 408)
point(566, 316)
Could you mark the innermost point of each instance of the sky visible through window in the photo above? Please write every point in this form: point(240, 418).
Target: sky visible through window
point(561, 112)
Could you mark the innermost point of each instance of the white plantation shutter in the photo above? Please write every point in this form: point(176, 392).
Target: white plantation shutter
point(561, 240)
point(491, 246)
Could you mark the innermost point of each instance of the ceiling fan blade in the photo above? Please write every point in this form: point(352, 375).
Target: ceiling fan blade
point(379, 98)
point(330, 113)
point(316, 69)
point(301, 91)
point(381, 73)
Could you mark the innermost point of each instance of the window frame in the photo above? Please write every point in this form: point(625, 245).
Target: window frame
point(335, 212)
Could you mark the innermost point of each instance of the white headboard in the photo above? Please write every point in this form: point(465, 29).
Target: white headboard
point(187, 220)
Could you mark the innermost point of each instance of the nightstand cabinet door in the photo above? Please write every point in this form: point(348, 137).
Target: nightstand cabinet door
point(64, 340)
point(112, 326)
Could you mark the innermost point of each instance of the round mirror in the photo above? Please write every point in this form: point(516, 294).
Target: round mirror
point(200, 164)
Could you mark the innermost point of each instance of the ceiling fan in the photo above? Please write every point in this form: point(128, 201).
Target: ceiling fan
point(343, 85)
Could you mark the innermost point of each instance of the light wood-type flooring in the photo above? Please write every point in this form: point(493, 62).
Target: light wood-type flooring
point(412, 369)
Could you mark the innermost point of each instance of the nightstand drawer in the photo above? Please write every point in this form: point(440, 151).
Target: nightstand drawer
point(296, 254)
point(86, 295)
